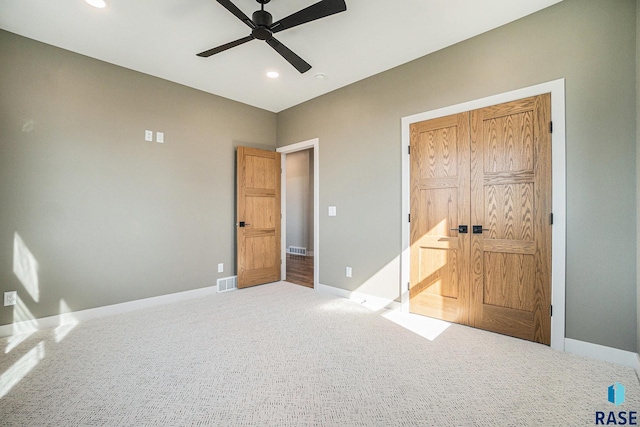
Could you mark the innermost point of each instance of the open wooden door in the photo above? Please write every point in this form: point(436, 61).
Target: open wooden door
point(258, 221)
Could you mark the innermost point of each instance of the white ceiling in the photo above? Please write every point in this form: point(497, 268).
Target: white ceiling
point(162, 37)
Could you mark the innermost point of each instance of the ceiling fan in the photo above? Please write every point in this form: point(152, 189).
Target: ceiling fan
point(263, 27)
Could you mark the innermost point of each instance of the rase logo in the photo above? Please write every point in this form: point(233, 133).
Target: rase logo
point(615, 395)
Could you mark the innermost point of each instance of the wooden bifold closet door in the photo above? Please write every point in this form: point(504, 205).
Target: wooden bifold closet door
point(480, 218)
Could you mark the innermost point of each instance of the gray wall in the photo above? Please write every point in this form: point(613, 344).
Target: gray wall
point(298, 195)
point(592, 45)
point(106, 216)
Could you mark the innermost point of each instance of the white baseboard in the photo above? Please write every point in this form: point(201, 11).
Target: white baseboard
point(601, 352)
point(369, 301)
point(108, 310)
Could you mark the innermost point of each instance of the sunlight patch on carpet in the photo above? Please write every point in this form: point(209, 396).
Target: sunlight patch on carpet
point(20, 369)
point(426, 327)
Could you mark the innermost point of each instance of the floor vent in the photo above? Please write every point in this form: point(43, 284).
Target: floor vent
point(227, 284)
point(295, 250)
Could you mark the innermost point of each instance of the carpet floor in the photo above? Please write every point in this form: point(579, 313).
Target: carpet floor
point(285, 355)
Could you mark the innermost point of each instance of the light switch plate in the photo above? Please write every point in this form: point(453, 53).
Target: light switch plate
point(10, 298)
point(220, 268)
point(349, 272)
point(332, 211)
point(160, 137)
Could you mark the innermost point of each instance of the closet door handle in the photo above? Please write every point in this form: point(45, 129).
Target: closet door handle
point(477, 229)
point(461, 229)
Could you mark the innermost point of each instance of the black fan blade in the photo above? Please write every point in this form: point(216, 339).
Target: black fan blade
point(288, 54)
point(315, 11)
point(237, 12)
point(208, 53)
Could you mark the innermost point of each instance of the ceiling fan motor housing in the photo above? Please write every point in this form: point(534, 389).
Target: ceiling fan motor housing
point(262, 19)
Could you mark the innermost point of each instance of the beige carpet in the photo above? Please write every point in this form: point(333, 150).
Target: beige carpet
point(285, 355)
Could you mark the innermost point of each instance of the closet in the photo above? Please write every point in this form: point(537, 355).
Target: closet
point(481, 218)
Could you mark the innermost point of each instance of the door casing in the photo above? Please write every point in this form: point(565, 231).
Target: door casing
point(287, 149)
point(558, 173)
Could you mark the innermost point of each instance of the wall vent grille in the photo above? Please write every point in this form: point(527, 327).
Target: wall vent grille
point(296, 250)
point(227, 284)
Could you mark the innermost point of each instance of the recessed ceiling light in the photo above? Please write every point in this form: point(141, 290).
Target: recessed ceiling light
point(321, 76)
point(273, 74)
point(97, 3)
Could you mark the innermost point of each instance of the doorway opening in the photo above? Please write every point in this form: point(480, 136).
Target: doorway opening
point(300, 201)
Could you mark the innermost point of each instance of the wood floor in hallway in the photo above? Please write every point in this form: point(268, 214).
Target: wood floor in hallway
point(300, 270)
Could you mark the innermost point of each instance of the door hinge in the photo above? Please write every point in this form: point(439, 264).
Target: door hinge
point(409, 150)
point(551, 218)
point(408, 286)
point(551, 310)
point(409, 217)
point(550, 127)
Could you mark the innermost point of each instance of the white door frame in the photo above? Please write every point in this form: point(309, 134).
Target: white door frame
point(287, 149)
point(559, 197)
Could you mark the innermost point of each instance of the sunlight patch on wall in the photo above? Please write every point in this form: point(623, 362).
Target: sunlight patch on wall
point(21, 369)
point(24, 324)
point(383, 284)
point(25, 267)
point(67, 321)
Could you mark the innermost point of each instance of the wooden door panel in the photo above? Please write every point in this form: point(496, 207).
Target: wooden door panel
point(509, 143)
point(440, 207)
point(259, 248)
point(515, 323)
point(439, 202)
point(436, 306)
point(511, 200)
point(259, 170)
point(509, 211)
point(259, 211)
point(512, 278)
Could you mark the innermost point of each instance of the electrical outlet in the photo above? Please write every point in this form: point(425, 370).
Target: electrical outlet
point(220, 268)
point(148, 135)
point(10, 298)
point(349, 272)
